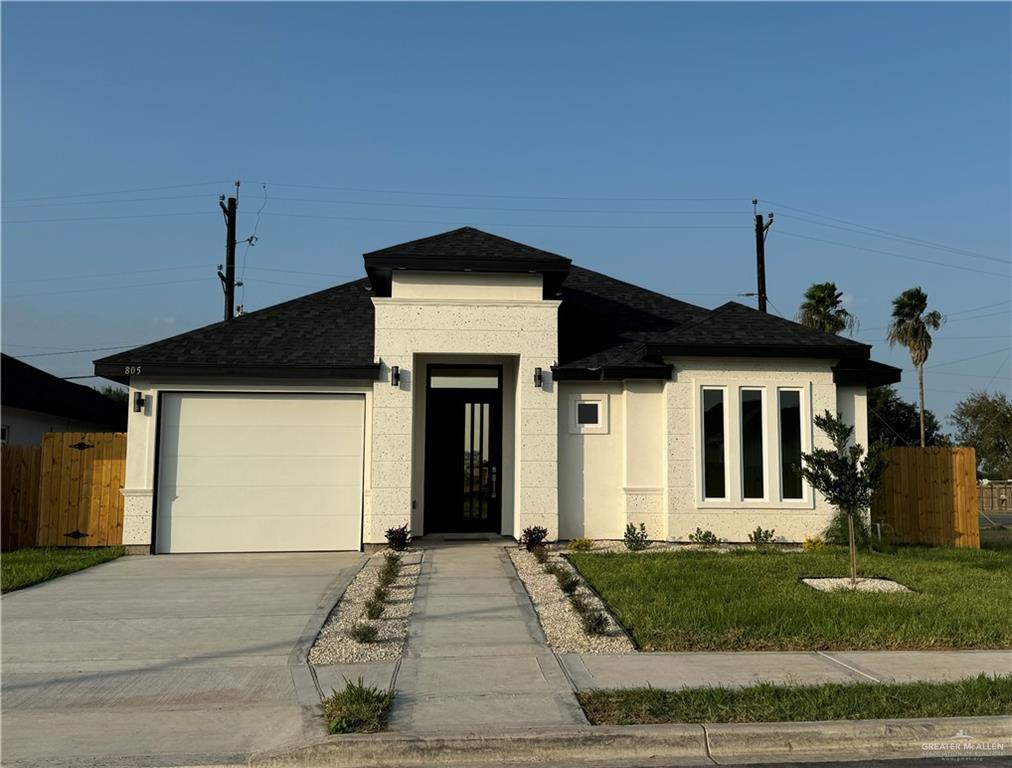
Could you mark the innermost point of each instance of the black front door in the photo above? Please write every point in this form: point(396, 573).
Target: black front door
point(463, 450)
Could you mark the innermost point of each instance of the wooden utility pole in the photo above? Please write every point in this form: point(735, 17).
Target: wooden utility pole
point(230, 210)
point(760, 256)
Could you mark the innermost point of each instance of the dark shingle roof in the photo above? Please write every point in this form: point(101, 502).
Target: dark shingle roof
point(328, 333)
point(25, 386)
point(734, 329)
point(607, 328)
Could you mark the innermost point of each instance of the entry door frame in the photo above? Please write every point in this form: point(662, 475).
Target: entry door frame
point(434, 523)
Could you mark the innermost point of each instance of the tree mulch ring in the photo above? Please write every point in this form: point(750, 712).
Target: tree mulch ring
point(844, 584)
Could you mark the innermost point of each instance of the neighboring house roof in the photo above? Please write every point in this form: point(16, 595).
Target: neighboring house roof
point(24, 386)
point(607, 328)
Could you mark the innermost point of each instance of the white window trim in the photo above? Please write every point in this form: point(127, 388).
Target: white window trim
point(601, 427)
point(763, 408)
point(806, 447)
point(701, 496)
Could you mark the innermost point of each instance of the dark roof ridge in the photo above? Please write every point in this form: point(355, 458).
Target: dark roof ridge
point(658, 294)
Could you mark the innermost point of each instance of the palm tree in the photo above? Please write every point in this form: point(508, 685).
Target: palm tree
point(910, 327)
point(823, 310)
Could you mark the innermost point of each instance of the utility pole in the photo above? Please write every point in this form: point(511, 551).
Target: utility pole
point(760, 255)
point(230, 210)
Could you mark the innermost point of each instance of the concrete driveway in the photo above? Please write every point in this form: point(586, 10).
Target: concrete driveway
point(166, 660)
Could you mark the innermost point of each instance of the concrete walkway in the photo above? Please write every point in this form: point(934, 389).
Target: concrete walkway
point(690, 670)
point(167, 659)
point(476, 657)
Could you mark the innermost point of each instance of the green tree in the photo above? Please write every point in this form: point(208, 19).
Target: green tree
point(823, 310)
point(893, 420)
point(844, 475)
point(911, 327)
point(985, 422)
point(114, 393)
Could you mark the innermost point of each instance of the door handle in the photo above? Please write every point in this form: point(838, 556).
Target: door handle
point(494, 475)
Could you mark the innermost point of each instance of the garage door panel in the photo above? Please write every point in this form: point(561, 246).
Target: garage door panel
point(214, 411)
point(265, 470)
point(327, 440)
point(245, 472)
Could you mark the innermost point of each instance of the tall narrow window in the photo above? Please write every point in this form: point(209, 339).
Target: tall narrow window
point(752, 469)
point(713, 444)
point(790, 444)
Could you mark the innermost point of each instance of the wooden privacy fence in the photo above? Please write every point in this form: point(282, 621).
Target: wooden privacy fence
point(929, 496)
point(995, 497)
point(20, 478)
point(65, 492)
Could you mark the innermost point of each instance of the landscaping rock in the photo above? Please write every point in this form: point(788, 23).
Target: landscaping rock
point(559, 620)
point(334, 646)
point(862, 585)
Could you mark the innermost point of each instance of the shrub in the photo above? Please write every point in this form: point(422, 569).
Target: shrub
point(357, 709)
point(398, 538)
point(391, 557)
point(580, 545)
point(392, 567)
point(386, 577)
point(540, 554)
point(836, 533)
point(373, 609)
point(533, 537)
point(580, 605)
point(706, 538)
point(568, 582)
point(813, 544)
point(594, 622)
point(363, 633)
point(380, 594)
point(635, 539)
point(554, 569)
point(761, 537)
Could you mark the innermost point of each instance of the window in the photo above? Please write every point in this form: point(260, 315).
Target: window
point(588, 413)
point(790, 444)
point(464, 378)
point(714, 486)
point(752, 463)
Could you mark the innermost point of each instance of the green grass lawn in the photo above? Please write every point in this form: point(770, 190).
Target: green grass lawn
point(25, 567)
point(358, 708)
point(744, 600)
point(767, 703)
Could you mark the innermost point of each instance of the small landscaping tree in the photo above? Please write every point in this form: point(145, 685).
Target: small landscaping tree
point(842, 476)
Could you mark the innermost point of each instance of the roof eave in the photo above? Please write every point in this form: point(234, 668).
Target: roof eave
point(855, 352)
point(122, 373)
point(613, 373)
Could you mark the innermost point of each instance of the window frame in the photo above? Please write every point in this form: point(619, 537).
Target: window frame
point(805, 428)
point(701, 442)
point(598, 428)
point(763, 443)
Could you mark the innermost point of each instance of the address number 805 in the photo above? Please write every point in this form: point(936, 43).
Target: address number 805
point(132, 370)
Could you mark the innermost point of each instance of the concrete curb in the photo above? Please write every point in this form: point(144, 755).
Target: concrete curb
point(717, 743)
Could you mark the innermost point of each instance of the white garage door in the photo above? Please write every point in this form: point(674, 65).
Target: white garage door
point(259, 472)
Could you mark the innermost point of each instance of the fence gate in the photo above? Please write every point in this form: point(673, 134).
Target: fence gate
point(929, 496)
point(82, 475)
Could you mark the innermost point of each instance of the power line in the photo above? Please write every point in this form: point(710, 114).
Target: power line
point(250, 242)
point(108, 218)
point(107, 288)
point(20, 206)
point(892, 235)
point(971, 357)
point(79, 351)
point(119, 192)
point(109, 274)
point(894, 255)
point(509, 224)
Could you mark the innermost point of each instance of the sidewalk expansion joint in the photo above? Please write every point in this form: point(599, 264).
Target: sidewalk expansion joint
point(847, 666)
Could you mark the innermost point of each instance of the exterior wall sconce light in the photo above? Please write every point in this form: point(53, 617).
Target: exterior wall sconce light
point(139, 402)
point(539, 378)
point(395, 375)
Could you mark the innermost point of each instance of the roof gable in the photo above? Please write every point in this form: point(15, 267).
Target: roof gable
point(734, 329)
point(464, 250)
point(25, 386)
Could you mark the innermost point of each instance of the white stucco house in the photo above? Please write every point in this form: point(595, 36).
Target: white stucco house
point(470, 383)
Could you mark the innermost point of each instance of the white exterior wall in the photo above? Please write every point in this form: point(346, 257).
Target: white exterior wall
point(852, 405)
point(406, 328)
point(735, 518)
point(27, 427)
point(465, 285)
point(141, 439)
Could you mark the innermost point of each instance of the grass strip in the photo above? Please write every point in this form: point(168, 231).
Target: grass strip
point(359, 708)
point(767, 703)
point(744, 600)
point(24, 567)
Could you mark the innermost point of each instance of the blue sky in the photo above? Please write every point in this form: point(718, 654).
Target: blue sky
point(630, 138)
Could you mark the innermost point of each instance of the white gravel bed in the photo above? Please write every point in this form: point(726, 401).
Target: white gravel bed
point(605, 546)
point(558, 619)
point(334, 646)
point(863, 585)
